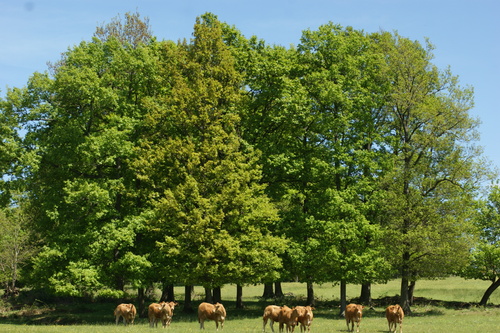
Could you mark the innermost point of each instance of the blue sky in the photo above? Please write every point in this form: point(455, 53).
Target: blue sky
point(466, 34)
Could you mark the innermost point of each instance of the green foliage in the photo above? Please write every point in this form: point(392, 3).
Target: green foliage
point(484, 258)
point(435, 174)
point(83, 189)
point(208, 199)
point(17, 246)
point(224, 160)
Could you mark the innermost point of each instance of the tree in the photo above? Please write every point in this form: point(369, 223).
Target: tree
point(340, 72)
point(208, 211)
point(314, 111)
point(16, 247)
point(83, 123)
point(132, 31)
point(484, 259)
point(435, 172)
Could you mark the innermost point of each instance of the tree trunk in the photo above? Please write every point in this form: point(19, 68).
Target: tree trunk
point(310, 294)
point(188, 305)
point(119, 279)
point(411, 289)
point(239, 297)
point(208, 295)
point(141, 297)
point(405, 284)
point(488, 292)
point(268, 291)
point(343, 297)
point(167, 293)
point(278, 291)
point(366, 294)
point(216, 295)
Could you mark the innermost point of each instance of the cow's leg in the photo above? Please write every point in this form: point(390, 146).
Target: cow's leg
point(202, 326)
point(264, 323)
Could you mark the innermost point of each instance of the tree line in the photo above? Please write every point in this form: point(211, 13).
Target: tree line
point(348, 158)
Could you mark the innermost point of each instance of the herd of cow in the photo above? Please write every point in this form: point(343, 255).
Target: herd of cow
point(285, 316)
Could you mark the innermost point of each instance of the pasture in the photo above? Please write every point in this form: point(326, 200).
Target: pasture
point(442, 306)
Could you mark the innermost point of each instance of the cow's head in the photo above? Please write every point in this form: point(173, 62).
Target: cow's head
point(219, 309)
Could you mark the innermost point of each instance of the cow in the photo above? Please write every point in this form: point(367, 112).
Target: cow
point(161, 311)
point(304, 317)
point(287, 318)
point(271, 313)
point(127, 311)
point(395, 315)
point(216, 312)
point(172, 307)
point(353, 313)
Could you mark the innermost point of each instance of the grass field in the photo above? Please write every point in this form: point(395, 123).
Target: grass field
point(442, 306)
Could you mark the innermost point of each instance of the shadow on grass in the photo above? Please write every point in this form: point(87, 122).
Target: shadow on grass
point(78, 311)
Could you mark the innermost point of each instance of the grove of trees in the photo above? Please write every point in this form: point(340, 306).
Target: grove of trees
point(348, 158)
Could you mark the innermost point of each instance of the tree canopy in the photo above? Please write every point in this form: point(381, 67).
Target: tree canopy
point(222, 159)
point(484, 258)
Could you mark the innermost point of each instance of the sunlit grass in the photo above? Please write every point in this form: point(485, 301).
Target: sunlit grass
point(428, 316)
point(456, 321)
point(450, 289)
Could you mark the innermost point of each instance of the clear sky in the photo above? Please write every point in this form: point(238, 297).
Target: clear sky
point(466, 34)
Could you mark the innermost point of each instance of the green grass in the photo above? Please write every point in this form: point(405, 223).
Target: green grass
point(456, 321)
point(443, 305)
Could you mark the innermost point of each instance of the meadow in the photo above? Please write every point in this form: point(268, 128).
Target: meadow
point(441, 306)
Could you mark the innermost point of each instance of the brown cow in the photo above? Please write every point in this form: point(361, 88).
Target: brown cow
point(395, 315)
point(127, 311)
point(172, 307)
point(207, 311)
point(353, 313)
point(271, 313)
point(287, 318)
point(304, 316)
point(161, 311)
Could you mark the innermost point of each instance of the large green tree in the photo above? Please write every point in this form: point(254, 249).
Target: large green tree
point(84, 123)
point(435, 171)
point(342, 149)
point(209, 214)
point(315, 112)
